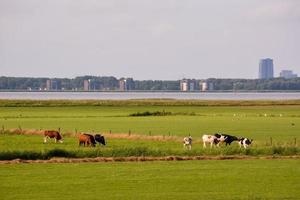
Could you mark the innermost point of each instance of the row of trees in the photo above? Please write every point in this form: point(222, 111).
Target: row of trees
point(256, 84)
point(112, 83)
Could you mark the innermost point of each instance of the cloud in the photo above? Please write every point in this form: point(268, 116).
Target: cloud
point(282, 10)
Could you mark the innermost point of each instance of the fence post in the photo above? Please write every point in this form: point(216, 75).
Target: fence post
point(295, 141)
point(271, 142)
point(150, 133)
point(169, 134)
point(129, 132)
point(109, 131)
point(3, 128)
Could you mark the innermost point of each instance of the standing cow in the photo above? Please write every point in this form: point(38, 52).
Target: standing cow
point(245, 142)
point(100, 139)
point(228, 139)
point(86, 140)
point(213, 140)
point(52, 134)
point(187, 142)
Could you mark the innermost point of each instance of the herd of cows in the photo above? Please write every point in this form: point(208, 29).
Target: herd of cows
point(216, 139)
point(86, 139)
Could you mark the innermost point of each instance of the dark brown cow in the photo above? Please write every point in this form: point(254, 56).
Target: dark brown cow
point(52, 134)
point(86, 139)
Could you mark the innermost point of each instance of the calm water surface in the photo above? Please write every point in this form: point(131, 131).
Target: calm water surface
point(150, 95)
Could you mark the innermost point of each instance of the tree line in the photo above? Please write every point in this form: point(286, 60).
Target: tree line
point(110, 83)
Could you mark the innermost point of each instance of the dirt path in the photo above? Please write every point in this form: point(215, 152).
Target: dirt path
point(143, 159)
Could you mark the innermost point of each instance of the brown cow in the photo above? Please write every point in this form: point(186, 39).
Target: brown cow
point(87, 139)
point(52, 134)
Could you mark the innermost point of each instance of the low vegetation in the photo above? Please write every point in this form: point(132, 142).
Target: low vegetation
point(143, 102)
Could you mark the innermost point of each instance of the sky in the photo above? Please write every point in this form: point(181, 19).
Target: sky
point(148, 39)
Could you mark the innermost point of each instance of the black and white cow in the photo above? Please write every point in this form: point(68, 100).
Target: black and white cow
point(187, 142)
point(100, 139)
point(245, 142)
point(228, 139)
point(212, 139)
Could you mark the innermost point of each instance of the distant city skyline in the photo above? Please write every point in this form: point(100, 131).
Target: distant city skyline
point(148, 40)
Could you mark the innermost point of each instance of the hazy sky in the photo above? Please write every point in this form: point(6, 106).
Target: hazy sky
point(148, 39)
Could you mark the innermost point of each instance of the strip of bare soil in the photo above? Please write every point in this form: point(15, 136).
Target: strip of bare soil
point(143, 159)
point(127, 136)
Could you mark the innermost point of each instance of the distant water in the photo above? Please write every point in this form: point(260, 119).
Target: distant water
point(151, 95)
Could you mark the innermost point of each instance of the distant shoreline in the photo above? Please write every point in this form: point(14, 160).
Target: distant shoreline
point(155, 91)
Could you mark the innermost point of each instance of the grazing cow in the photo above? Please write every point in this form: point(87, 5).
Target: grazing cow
point(100, 139)
point(245, 142)
point(228, 139)
point(187, 142)
point(52, 134)
point(212, 140)
point(86, 139)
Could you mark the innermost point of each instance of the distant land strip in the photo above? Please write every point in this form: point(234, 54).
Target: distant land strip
point(144, 102)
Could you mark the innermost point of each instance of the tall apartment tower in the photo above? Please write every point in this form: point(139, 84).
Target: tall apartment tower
point(266, 70)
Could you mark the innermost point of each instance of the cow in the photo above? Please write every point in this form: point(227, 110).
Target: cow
point(52, 134)
point(212, 140)
point(86, 139)
point(228, 139)
point(187, 142)
point(245, 142)
point(100, 139)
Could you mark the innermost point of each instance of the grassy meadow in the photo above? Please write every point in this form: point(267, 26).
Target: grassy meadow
point(274, 126)
point(227, 179)
point(254, 178)
point(281, 122)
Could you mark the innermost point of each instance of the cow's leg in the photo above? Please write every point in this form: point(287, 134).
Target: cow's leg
point(45, 139)
point(240, 144)
point(204, 145)
point(55, 140)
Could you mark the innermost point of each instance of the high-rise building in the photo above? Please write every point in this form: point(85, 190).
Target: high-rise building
point(266, 70)
point(126, 84)
point(206, 86)
point(52, 84)
point(287, 74)
point(86, 85)
point(188, 85)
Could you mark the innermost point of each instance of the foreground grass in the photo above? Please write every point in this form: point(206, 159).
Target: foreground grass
point(235, 179)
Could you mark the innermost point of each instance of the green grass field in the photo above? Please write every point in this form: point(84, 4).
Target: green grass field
point(207, 179)
point(282, 122)
point(261, 121)
point(231, 179)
